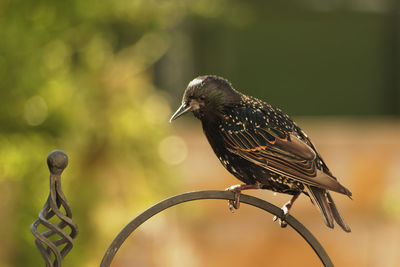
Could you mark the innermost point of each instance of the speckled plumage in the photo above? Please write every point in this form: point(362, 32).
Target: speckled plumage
point(259, 144)
point(237, 128)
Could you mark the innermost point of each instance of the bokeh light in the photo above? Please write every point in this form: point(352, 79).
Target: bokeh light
point(35, 111)
point(173, 150)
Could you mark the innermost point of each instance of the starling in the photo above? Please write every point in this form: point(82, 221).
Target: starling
point(261, 146)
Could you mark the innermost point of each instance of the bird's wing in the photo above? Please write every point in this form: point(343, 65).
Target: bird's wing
point(280, 152)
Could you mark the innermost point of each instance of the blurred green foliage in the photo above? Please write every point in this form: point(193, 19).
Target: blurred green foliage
point(77, 76)
point(85, 77)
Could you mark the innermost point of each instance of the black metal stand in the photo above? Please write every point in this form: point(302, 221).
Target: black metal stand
point(55, 242)
point(211, 194)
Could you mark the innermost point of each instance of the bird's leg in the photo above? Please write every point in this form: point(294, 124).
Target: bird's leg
point(286, 209)
point(237, 189)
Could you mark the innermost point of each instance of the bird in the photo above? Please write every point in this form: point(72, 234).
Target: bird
point(261, 146)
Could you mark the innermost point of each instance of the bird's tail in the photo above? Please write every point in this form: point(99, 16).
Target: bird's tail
point(323, 200)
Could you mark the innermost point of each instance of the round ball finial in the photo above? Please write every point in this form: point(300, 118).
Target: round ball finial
point(57, 161)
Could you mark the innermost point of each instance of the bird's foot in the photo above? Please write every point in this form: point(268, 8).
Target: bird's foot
point(237, 190)
point(235, 203)
point(286, 209)
point(282, 221)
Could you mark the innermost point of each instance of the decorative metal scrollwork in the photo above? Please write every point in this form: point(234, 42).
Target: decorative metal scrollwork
point(54, 249)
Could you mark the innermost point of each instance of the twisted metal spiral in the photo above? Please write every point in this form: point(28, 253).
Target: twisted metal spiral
point(54, 250)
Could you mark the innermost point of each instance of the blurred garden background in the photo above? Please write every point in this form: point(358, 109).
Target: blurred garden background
point(100, 79)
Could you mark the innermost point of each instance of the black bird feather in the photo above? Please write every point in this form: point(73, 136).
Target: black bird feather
point(259, 144)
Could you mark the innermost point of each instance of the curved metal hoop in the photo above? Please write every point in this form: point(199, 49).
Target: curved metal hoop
point(212, 194)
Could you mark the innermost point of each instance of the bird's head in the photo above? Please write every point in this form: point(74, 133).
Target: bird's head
point(207, 97)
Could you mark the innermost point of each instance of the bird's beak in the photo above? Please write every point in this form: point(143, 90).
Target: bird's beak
point(181, 110)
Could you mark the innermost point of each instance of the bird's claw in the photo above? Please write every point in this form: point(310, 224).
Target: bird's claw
point(237, 190)
point(285, 209)
point(281, 222)
point(234, 204)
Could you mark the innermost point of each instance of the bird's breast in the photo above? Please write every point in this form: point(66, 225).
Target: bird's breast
point(236, 165)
